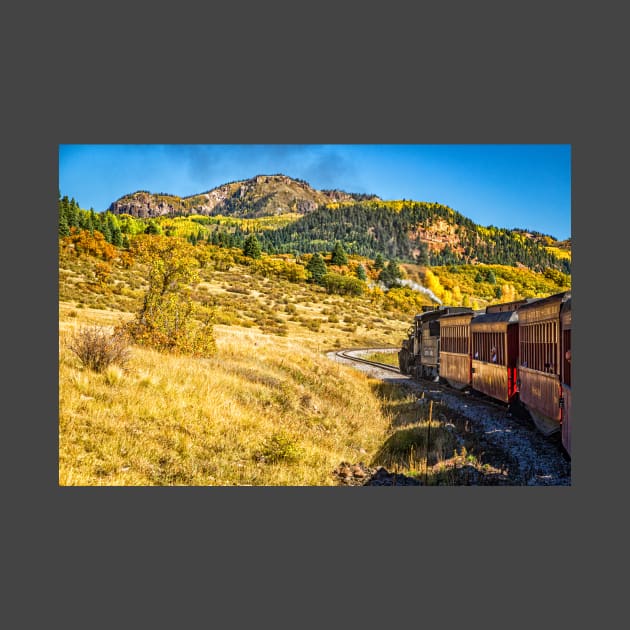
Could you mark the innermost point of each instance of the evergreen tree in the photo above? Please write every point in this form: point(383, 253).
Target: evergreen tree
point(152, 228)
point(317, 268)
point(251, 247)
point(422, 257)
point(72, 212)
point(390, 274)
point(339, 256)
point(64, 230)
point(361, 273)
point(114, 229)
point(90, 221)
point(379, 263)
point(104, 228)
point(491, 278)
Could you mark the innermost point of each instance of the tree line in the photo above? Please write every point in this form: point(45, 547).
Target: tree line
point(367, 229)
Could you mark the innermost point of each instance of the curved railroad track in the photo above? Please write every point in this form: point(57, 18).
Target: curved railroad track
point(385, 366)
point(508, 428)
point(441, 386)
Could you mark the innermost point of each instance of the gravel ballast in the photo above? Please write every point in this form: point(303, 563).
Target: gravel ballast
point(535, 460)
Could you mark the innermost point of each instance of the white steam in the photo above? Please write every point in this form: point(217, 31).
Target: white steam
point(410, 284)
point(418, 287)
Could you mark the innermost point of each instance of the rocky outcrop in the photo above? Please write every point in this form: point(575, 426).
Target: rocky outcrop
point(263, 195)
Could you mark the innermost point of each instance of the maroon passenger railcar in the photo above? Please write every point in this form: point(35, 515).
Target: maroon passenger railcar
point(565, 373)
point(455, 365)
point(494, 341)
point(539, 369)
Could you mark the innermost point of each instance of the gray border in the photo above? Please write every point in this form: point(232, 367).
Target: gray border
point(86, 554)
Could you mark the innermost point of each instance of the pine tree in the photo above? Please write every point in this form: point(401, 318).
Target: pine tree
point(117, 239)
point(64, 230)
point(105, 228)
point(72, 212)
point(339, 256)
point(317, 268)
point(390, 274)
point(251, 247)
point(379, 263)
point(422, 257)
point(152, 228)
point(361, 273)
point(90, 221)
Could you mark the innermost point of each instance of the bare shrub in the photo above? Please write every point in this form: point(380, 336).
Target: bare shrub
point(97, 348)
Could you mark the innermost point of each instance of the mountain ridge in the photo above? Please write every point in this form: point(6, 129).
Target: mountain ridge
point(258, 196)
point(419, 231)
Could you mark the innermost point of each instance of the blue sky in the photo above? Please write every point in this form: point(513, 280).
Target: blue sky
point(526, 185)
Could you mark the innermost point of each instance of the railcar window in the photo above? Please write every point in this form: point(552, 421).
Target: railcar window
point(538, 343)
point(489, 346)
point(455, 339)
point(566, 359)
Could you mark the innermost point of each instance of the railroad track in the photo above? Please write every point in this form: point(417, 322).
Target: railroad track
point(469, 398)
point(384, 366)
point(468, 394)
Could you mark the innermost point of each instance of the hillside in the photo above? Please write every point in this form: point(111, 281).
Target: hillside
point(260, 196)
point(310, 220)
point(260, 405)
point(268, 409)
point(427, 233)
point(248, 397)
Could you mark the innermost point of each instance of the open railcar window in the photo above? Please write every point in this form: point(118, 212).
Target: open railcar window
point(455, 339)
point(538, 346)
point(489, 347)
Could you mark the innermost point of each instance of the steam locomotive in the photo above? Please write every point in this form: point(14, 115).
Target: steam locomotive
point(518, 353)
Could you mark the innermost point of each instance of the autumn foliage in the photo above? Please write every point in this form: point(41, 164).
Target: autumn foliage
point(90, 243)
point(169, 320)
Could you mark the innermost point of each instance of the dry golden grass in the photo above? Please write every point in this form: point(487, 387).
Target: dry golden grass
point(266, 410)
point(389, 358)
point(269, 409)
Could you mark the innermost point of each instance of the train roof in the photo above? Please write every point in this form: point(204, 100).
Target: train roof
point(466, 311)
point(441, 312)
point(508, 306)
point(507, 317)
point(552, 299)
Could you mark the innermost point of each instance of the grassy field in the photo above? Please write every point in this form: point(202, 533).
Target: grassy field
point(263, 411)
point(389, 358)
point(268, 409)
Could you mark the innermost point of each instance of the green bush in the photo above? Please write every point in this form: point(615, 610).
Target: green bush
point(280, 447)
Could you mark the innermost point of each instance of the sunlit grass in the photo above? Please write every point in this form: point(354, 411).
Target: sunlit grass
point(264, 411)
point(389, 358)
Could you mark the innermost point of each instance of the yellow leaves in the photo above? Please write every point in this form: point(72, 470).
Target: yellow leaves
point(508, 293)
point(280, 268)
point(432, 282)
point(456, 296)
